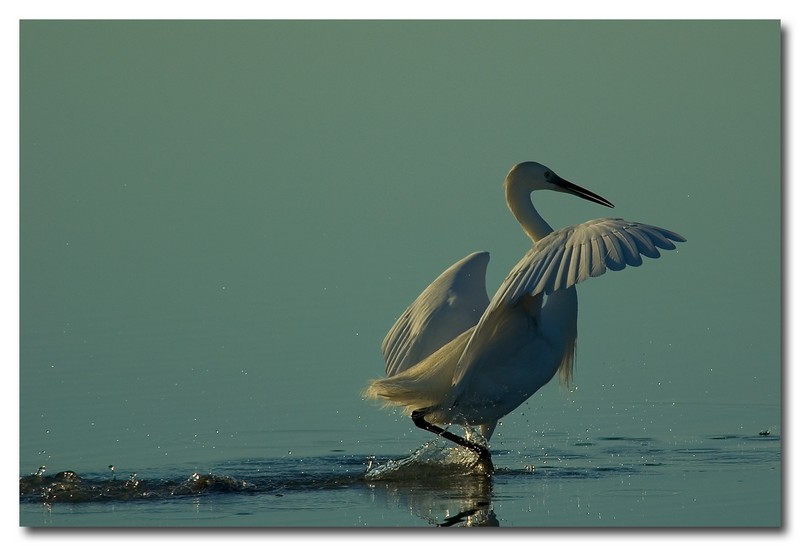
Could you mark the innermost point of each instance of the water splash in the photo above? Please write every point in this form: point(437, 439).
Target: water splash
point(67, 486)
point(433, 459)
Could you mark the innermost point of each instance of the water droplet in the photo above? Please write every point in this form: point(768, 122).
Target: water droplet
point(132, 481)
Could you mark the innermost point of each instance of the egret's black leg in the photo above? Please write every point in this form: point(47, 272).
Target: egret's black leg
point(418, 417)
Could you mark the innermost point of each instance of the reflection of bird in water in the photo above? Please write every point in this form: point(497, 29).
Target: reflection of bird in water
point(454, 357)
point(480, 516)
point(436, 491)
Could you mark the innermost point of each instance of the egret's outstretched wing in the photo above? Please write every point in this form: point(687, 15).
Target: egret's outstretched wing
point(451, 304)
point(573, 254)
point(561, 260)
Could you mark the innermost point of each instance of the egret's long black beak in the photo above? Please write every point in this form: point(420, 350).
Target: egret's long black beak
point(574, 189)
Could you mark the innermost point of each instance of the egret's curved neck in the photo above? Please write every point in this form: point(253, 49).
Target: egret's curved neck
point(519, 202)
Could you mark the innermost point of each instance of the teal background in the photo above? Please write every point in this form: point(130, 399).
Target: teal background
point(219, 221)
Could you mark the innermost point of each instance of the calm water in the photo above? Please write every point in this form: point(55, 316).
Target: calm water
point(220, 220)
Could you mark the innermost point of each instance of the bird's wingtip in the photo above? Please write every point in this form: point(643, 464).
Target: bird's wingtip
point(677, 237)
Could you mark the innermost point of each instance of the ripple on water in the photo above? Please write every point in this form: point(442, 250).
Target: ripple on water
point(436, 465)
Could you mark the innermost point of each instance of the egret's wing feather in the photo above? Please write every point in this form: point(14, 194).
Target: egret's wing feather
point(571, 255)
point(451, 304)
point(563, 259)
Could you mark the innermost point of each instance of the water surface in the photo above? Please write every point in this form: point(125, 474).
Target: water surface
point(707, 481)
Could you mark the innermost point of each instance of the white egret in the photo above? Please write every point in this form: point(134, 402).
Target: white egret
point(454, 357)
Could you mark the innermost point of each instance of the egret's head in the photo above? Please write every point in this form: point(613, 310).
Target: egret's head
point(531, 176)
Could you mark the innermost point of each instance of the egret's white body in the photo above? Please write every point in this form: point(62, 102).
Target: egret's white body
point(455, 357)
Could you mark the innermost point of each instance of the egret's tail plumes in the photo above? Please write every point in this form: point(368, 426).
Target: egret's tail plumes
point(424, 384)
